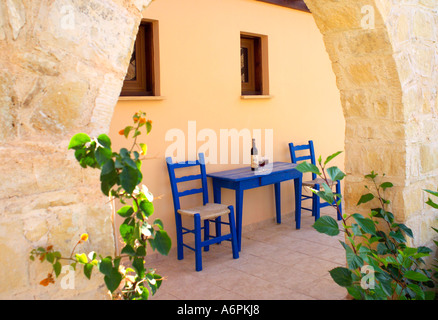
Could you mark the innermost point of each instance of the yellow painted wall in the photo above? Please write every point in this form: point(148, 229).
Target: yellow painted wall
point(199, 45)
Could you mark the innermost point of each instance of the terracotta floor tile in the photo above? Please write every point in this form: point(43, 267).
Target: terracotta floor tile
point(277, 262)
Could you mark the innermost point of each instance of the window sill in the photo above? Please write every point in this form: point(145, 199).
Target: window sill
point(141, 98)
point(256, 96)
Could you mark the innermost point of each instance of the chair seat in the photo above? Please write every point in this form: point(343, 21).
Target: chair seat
point(319, 181)
point(209, 211)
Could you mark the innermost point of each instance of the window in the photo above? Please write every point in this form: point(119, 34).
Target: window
point(253, 65)
point(141, 77)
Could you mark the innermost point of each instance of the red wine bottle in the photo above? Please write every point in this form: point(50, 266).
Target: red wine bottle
point(254, 156)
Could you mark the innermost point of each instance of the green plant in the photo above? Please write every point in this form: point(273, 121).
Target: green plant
point(120, 178)
point(380, 264)
point(433, 204)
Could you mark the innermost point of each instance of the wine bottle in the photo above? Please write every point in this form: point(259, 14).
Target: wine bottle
point(254, 156)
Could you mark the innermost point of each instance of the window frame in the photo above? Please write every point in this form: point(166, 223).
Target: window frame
point(146, 50)
point(256, 46)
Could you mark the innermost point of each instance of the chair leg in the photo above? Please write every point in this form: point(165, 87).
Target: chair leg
point(338, 191)
point(206, 233)
point(233, 233)
point(198, 242)
point(218, 227)
point(316, 207)
point(179, 237)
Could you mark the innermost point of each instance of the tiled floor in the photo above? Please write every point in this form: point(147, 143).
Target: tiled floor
point(277, 262)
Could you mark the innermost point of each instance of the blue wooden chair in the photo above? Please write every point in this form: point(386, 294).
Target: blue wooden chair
point(207, 212)
point(316, 182)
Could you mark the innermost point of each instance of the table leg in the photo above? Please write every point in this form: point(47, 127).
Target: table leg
point(298, 189)
point(278, 201)
point(239, 209)
point(217, 199)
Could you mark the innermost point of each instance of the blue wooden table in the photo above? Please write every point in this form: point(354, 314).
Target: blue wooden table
point(243, 179)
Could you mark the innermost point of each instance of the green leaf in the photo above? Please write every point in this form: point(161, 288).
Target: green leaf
point(129, 250)
point(326, 194)
point(127, 130)
point(308, 167)
point(162, 242)
point(87, 270)
point(126, 231)
point(141, 251)
point(353, 260)
point(386, 185)
point(397, 236)
point(406, 230)
point(356, 292)
point(50, 257)
point(107, 170)
point(129, 179)
point(136, 133)
point(113, 279)
point(408, 251)
point(147, 207)
point(432, 203)
point(57, 268)
point(106, 265)
point(326, 225)
point(103, 155)
point(385, 285)
point(329, 158)
point(108, 177)
point(342, 276)
point(125, 211)
point(365, 198)
point(335, 173)
point(138, 265)
point(78, 140)
point(435, 193)
point(367, 225)
point(416, 289)
point(148, 126)
point(159, 223)
point(416, 276)
point(104, 140)
point(371, 175)
point(391, 259)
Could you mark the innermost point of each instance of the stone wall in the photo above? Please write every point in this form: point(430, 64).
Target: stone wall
point(413, 32)
point(384, 55)
point(62, 65)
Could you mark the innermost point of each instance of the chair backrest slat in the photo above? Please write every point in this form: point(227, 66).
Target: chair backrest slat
point(188, 178)
point(178, 165)
point(303, 158)
point(190, 192)
point(310, 156)
point(202, 176)
point(302, 147)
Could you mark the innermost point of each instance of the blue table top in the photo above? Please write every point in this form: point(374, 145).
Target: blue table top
point(246, 173)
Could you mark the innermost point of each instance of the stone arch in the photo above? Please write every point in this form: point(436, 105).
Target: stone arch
point(387, 76)
point(383, 54)
point(63, 63)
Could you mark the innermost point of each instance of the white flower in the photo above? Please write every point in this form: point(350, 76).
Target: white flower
point(147, 193)
point(144, 190)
